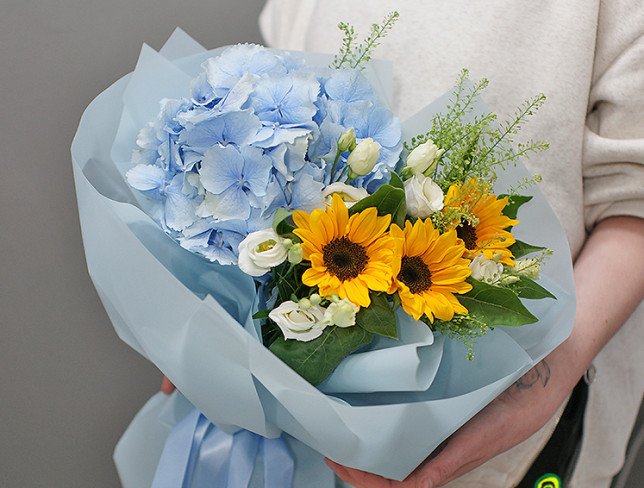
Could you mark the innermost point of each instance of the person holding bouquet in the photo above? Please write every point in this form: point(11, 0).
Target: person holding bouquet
point(587, 58)
point(319, 233)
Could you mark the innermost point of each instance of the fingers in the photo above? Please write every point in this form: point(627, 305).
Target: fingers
point(362, 479)
point(166, 386)
point(439, 472)
point(340, 471)
point(457, 457)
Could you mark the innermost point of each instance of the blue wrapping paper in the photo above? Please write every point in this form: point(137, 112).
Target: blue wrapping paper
point(138, 452)
point(192, 318)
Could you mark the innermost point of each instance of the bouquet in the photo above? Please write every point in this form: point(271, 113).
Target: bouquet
point(304, 267)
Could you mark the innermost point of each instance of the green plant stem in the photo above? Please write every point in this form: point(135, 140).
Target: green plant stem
point(335, 163)
point(375, 38)
point(510, 127)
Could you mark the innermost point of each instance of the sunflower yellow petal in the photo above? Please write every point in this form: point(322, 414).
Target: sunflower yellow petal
point(439, 305)
point(355, 293)
point(414, 305)
point(339, 214)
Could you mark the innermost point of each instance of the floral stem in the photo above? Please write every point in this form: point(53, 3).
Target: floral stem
point(335, 163)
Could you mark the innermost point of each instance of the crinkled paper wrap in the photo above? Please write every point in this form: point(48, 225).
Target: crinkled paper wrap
point(177, 309)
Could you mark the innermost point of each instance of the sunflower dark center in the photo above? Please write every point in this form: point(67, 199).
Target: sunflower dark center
point(467, 232)
point(344, 258)
point(415, 274)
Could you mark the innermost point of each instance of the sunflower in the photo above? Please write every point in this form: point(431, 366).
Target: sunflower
point(431, 269)
point(349, 255)
point(484, 234)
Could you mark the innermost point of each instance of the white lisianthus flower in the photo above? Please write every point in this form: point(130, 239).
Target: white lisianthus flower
point(486, 270)
point(423, 196)
point(349, 194)
point(423, 158)
point(363, 158)
point(297, 322)
point(529, 267)
point(260, 251)
point(341, 313)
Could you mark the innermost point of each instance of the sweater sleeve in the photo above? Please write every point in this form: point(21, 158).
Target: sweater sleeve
point(613, 166)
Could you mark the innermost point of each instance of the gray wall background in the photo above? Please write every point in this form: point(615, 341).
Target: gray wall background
point(68, 386)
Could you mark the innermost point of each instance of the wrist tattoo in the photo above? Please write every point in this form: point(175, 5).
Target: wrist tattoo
point(539, 374)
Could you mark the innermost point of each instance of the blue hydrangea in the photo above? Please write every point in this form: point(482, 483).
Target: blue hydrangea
point(259, 133)
point(235, 179)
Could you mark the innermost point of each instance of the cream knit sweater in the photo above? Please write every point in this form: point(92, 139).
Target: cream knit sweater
point(587, 56)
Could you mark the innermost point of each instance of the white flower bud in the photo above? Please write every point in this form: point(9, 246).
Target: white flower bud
point(509, 280)
point(423, 158)
point(295, 254)
point(304, 303)
point(341, 313)
point(363, 158)
point(347, 141)
point(349, 194)
point(486, 270)
point(315, 299)
point(260, 251)
point(423, 196)
point(298, 323)
point(529, 267)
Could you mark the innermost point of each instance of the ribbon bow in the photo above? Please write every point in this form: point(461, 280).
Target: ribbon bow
point(197, 454)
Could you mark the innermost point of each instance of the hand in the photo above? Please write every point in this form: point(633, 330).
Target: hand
point(511, 418)
point(166, 386)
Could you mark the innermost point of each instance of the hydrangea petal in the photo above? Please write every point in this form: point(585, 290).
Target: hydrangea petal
point(285, 99)
point(146, 177)
point(281, 135)
point(306, 193)
point(349, 86)
point(229, 127)
point(223, 71)
point(256, 171)
point(201, 90)
point(238, 94)
point(179, 207)
point(221, 168)
point(326, 140)
point(232, 204)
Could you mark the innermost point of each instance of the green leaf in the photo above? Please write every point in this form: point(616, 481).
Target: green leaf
point(378, 317)
point(281, 225)
point(495, 306)
point(395, 181)
point(315, 360)
point(261, 314)
point(514, 202)
point(520, 249)
point(396, 301)
point(389, 200)
point(527, 288)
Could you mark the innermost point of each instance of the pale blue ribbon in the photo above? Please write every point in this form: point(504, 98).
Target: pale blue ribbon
point(197, 454)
